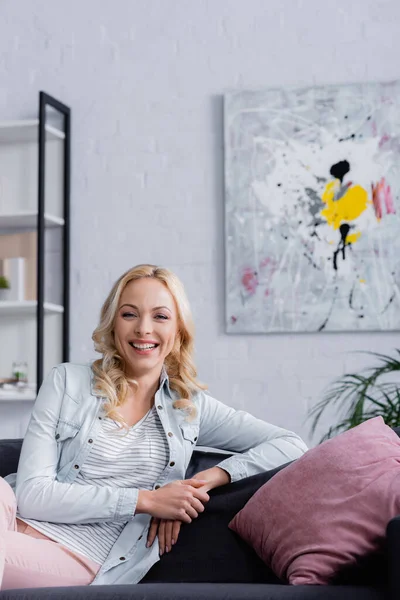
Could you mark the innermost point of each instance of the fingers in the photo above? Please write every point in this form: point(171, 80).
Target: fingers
point(152, 531)
point(168, 532)
point(176, 527)
point(201, 495)
point(184, 517)
point(197, 505)
point(191, 511)
point(195, 482)
point(161, 537)
point(168, 535)
point(197, 492)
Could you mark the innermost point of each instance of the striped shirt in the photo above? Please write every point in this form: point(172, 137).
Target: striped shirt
point(119, 459)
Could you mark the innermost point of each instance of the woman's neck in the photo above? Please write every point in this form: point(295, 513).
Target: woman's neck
point(146, 389)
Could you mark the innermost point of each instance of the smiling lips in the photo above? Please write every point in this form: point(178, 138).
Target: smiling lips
point(143, 347)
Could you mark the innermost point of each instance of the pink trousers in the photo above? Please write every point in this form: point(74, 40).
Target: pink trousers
point(29, 559)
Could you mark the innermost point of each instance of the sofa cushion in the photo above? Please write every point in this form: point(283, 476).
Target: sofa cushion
point(329, 508)
point(208, 551)
point(194, 591)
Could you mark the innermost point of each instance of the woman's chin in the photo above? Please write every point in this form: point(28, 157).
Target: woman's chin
point(143, 364)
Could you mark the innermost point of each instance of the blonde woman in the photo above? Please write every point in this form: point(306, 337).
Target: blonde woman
point(100, 492)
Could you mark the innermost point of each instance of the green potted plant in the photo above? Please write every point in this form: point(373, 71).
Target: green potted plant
point(362, 396)
point(4, 288)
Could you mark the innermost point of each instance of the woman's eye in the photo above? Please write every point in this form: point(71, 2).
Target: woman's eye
point(128, 314)
point(161, 317)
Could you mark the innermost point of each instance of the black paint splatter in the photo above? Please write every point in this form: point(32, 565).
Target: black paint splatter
point(340, 169)
point(389, 303)
point(349, 137)
point(328, 316)
point(344, 232)
point(311, 261)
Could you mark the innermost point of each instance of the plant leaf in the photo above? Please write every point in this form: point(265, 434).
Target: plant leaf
point(361, 396)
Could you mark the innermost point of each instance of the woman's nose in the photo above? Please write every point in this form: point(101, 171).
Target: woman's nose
point(143, 326)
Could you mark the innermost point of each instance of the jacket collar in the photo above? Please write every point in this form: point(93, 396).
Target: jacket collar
point(164, 382)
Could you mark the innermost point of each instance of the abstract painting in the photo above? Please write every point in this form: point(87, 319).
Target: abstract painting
point(312, 228)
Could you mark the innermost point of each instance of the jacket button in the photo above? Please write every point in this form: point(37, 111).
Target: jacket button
point(157, 487)
point(99, 418)
point(171, 464)
point(76, 466)
point(195, 439)
point(90, 441)
point(57, 436)
point(170, 434)
point(122, 558)
point(159, 407)
point(140, 537)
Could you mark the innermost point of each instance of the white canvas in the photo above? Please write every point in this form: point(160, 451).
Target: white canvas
point(312, 209)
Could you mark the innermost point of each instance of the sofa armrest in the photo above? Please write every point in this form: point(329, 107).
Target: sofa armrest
point(205, 458)
point(9, 456)
point(393, 539)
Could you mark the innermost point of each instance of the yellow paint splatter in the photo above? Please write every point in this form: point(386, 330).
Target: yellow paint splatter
point(353, 237)
point(348, 208)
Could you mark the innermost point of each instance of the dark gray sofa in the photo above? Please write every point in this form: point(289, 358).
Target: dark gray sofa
point(211, 562)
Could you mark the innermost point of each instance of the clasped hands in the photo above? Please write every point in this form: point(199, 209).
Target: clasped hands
point(178, 502)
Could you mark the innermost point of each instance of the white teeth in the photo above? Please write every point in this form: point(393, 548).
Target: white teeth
point(143, 346)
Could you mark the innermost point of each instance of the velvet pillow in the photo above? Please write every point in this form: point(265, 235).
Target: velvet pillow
point(328, 508)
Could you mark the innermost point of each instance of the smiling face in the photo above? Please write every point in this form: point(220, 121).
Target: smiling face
point(145, 326)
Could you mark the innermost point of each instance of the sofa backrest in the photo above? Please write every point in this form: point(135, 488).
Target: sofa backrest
point(201, 459)
point(10, 451)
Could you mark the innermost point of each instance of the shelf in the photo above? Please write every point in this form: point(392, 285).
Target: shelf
point(13, 132)
point(28, 308)
point(33, 176)
point(26, 221)
point(28, 395)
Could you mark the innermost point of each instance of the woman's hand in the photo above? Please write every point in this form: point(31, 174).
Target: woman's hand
point(167, 531)
point(176, 501)
point(213, 478)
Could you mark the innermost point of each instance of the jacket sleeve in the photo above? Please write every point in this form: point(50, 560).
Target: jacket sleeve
point(39, 495)
point(260, 445)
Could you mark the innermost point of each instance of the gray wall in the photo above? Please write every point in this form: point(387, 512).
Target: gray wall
point(145, 80)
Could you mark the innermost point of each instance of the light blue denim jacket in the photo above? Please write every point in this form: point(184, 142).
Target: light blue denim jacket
point(65, 422)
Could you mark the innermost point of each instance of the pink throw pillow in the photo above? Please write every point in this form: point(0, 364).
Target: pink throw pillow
point(328, 508)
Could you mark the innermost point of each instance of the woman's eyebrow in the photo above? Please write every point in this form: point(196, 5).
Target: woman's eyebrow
point(160, 307)
point(155, 308)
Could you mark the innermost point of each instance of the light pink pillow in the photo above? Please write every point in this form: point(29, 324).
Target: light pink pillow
point(328, 508)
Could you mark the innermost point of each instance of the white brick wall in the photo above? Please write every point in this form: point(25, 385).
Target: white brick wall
point(145, 80)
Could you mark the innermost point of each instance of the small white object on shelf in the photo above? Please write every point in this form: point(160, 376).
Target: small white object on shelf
point(28, 307)
point(14, 271)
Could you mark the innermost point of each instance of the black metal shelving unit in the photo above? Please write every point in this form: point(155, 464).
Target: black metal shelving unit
point(45, 101)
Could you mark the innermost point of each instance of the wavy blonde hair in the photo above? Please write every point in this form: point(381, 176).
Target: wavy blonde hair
point(110, 379)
